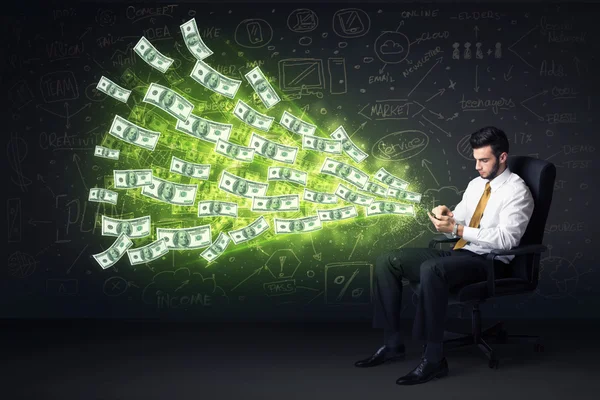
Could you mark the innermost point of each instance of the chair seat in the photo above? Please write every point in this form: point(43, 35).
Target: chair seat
point(478, 290)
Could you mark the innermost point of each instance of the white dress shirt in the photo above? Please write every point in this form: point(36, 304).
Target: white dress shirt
point(505, 216)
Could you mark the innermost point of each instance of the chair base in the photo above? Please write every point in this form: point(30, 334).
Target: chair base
point(478, 337)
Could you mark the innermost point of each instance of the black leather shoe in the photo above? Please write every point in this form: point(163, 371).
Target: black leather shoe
point(425, 372)
point(382, 355)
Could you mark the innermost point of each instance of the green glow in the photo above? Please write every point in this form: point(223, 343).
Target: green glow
point(219, 108)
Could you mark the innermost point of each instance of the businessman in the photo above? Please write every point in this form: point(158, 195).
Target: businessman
point(493, 214)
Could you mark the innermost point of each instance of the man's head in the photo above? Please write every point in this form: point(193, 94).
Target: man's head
point(490, 150)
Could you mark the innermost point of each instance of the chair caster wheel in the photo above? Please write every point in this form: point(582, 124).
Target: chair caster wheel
point(501, 336)
point(538, 348)
point(494, 364)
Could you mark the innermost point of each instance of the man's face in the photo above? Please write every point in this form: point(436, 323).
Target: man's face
point(276, 204)
point(217, 207)
point(486, 163)
point(182, 238)
point(147, 253)
point(168, 191)
point(113, 254)
point(169, 98)
point(189, 169)
point(131, 134)
point(242, 188)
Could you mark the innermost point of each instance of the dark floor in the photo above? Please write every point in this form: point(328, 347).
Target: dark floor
point(127, 360)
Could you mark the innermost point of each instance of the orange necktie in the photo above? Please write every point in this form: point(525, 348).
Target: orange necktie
point(476, 218)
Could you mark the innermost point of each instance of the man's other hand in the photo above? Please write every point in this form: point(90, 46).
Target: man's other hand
point(443, 224)
point(442, 210)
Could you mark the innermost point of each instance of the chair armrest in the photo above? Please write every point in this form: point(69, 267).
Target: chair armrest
point(442, 239)
point(517, 251)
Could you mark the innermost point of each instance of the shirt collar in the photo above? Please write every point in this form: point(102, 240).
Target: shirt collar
point(499, 180)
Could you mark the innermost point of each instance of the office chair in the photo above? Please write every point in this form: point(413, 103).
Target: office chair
point(539, 175)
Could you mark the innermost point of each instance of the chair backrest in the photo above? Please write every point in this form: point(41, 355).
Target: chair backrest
point(539, 175)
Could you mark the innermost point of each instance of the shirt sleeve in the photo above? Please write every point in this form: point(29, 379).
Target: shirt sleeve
point(459, 211)
point(512, 222)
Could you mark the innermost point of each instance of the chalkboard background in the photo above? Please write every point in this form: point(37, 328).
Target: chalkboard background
point(409, 83)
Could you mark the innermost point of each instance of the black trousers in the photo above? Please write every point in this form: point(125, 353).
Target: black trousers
point(438, 271)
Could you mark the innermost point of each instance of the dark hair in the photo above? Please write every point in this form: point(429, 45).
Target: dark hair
point(492, 136)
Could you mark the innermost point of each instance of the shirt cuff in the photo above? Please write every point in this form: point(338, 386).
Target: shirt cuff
point(470, 234)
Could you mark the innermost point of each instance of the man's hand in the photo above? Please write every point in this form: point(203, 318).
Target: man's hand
point(443, 224)
point(442, 210)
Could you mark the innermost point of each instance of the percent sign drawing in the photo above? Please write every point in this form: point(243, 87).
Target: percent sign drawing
point(355, 278)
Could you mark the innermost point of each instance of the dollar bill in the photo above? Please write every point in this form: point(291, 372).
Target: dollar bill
point(168, 101)
point(134, 228)
point(345, 193)
point(147, 253)
point(214, 208)
point(281, 203)
point(110, 256)
point(296, 125)
point(375, 189)
point(237, 186)
point(252, 231)
point(217, 248)
point(205, 75)
point(298, 225)
point(287, 175)
point(170, 192)
point(131, 133)
point(204, 129)
point(100, 195)
point(105, 152)
point(388, 207)
point(345, 172)
point(234, 151)
point(186, 168)
point(252, 117)
point(151, 56)
point(392, 181)
point(262, 87)
point(319, 197)
point(115, 91)
point(274, 151)
point(132, 178)
point(337, 214)
point(348, 145)
point(193, 40)
point(186, 238)
point(322, 145)
point(405, 195)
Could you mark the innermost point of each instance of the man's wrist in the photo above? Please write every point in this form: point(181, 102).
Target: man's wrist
point(459, 230)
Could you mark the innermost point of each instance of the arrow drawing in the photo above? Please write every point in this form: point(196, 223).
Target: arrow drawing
point(76, 160)
point(529, 109)
point(506, 75)
point(358, 238)
point(358, 129)
point(476, 88)
point(476, 29)
point(439, 93)
point(428, 120)
point(34, 223)
point(510, 48)
point(425, 164)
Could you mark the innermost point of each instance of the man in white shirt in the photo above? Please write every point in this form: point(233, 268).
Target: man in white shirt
point(493, 214)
